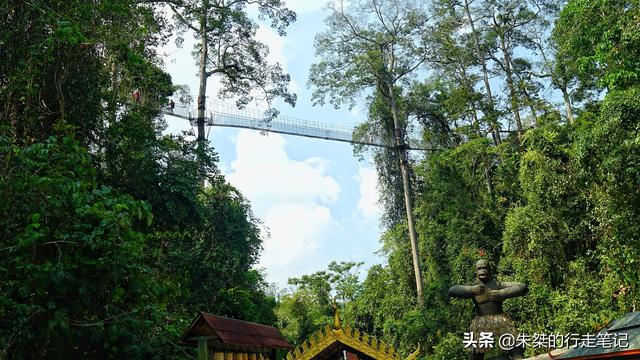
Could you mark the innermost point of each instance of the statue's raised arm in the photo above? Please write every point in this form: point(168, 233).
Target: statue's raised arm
point(465, 291)
point(510, 290)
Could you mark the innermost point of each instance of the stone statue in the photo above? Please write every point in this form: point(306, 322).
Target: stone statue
point(488, 294)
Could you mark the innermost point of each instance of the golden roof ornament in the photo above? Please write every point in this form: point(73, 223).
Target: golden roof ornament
point(336, 318)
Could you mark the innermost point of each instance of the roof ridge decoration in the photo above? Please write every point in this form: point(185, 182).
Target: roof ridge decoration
point(368, 345)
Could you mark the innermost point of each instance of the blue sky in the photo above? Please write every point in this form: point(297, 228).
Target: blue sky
point(316, 200)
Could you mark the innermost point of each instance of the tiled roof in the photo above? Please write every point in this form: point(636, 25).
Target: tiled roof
point(233, 332)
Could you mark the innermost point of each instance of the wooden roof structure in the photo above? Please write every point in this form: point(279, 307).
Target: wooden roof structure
point(329, 343)
point(223, 333)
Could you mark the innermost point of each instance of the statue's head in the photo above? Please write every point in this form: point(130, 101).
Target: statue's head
point(483, 270)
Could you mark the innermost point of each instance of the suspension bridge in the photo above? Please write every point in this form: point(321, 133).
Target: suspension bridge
point(225, 115)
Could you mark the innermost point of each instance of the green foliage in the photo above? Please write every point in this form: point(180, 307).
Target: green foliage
point(299, 316)
point(603, 38)
point(377, 314)
point(73, 264)
point(367, 45)
point(215, 256)
point(53, 62)
point(309, 306)
point(555, 206)
point(449, 349)
point(584, 303)
point(559, 216)
point(609, 156)
point(548, 223)
point(228, 47)
point(109, 243)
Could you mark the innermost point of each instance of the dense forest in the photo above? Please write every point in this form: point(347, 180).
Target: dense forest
point(113, 235)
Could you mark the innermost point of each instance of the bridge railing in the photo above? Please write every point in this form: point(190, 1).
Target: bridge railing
point(255, 120)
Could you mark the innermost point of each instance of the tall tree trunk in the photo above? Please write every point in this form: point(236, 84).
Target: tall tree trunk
point(202, 91)
point(515, 107)
point(202, 73)
point(567, 104)
point(530, 102)
point(406, 187)
point(534, 114)
point(485, 76)
point(495, 131)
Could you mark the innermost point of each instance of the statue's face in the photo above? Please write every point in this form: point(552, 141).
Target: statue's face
point(483, 270)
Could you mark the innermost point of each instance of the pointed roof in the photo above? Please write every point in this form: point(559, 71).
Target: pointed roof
point(229, 333)
point(327, 343)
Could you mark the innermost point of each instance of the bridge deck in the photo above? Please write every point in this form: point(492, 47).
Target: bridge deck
point(247, 119)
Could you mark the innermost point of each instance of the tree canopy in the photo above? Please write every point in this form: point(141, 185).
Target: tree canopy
point(110, 242)
point(531, 108)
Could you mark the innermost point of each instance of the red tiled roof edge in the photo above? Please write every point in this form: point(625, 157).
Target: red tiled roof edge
point(240, 332)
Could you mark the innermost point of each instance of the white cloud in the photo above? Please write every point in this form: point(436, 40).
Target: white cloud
point(295, 229)
point(264, 172)
point(368, 204)
point(290, 196)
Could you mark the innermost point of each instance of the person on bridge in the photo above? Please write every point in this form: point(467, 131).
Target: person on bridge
point(172, 105)
point(488, 294)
